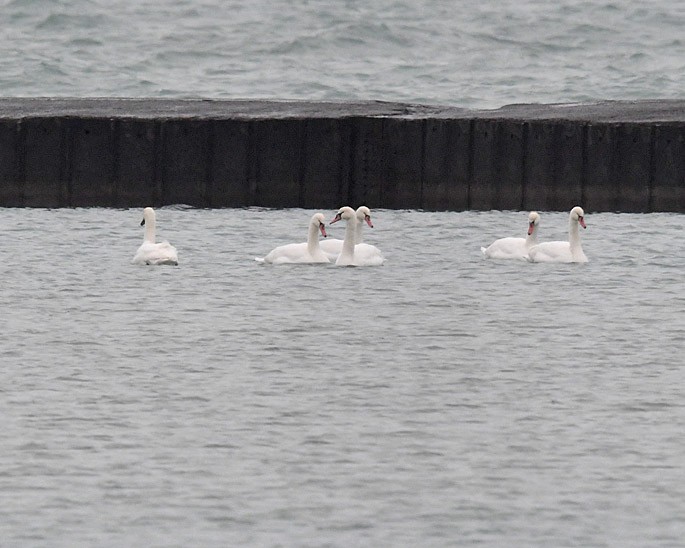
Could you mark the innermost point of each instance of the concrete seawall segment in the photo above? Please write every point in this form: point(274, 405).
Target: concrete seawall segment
point(608, 156)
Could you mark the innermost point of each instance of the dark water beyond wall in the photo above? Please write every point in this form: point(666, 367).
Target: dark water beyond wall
point(439, 400)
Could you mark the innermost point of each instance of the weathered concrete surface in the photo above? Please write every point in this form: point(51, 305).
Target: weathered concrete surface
point(608, 156)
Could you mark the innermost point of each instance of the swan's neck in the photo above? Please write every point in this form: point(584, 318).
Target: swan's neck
point(313, 239)
point(573, 235)
point(532, 238)
point(358, 231)
point(150, 230)
point(347, 253)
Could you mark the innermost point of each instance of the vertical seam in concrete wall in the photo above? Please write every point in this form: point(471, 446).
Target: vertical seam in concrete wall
point(352, 184)
point(469, 167)
point(157, 175)
point(65, 167)
point(114, 129)
point(254, 164)
point(583, 169)
point(381, 164)
point(385, 147)
point(208, 198)
point(250, 164)
point(558, 144)
point(344, 154)
point(524, 148)
point(422, 166)
point(302, 162)
point(652, 169)
point(615, 161)
point(20, 158)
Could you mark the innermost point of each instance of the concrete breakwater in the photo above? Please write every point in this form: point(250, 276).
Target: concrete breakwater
point(608, 156)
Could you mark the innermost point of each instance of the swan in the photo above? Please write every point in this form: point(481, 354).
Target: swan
point(562, 252)
point(351, 254)
point(333, 247)
point(306, 252)
point(150, 252)
point(515, 248)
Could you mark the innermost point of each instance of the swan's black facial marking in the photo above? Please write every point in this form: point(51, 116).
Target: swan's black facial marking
point(336, 218)
point(142, 223)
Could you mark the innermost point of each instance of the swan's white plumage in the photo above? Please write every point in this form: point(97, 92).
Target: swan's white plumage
point(301, 253)
point(515, 248)
point(332, 247)
point(359, 254)
point(150, 252)
point(560, 251)
point(367, 255)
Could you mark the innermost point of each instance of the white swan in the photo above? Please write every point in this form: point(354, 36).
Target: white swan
point(150, 252)
point(306, 252)
point(562, 252)
point(333, 247)
point(351, 254)
point(515, 248)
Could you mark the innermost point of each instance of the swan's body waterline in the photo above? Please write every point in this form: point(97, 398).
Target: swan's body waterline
point(515, 248)
point(150, 252)
point(560, 251)
point(359, 254)
point(301, 253)
point(333, 247)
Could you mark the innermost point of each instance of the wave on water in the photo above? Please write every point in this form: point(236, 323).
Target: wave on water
point(480, 55)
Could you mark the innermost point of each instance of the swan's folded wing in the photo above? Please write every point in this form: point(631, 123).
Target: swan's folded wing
point(551, 252)
point(506, 248)
point(331, 248)
point(368, 255)
point(288, 254)
point(156, 254)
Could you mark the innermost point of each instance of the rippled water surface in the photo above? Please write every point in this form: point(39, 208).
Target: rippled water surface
point(473, 54)
point(441, 399)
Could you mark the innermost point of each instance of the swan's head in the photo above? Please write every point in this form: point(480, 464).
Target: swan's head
point(148, 215)
point(345, 213)
point(533, 221)
point(319, 221)
point(578, 215)
point(364, 214)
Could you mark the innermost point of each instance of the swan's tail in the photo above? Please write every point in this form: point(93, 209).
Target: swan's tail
point(483, 251)
point(259, 259)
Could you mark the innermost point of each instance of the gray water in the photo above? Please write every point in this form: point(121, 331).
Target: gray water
point(441, 399)
point(471, 54)
point(438, 400)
